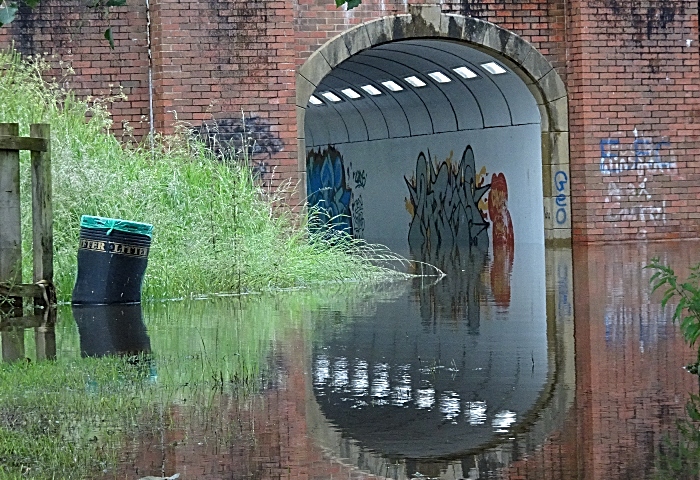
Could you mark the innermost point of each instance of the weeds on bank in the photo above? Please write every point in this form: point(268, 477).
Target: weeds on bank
point(679, 458)
point(687, 312)
point(215, 228)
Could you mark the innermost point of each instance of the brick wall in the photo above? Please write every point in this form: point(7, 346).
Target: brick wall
point(75, 34)
point(633, 89)
point(215, 61)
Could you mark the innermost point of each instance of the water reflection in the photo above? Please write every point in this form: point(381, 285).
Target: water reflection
point(111, 330)
point(444, 373)
point(13, 333)
point(373, 384)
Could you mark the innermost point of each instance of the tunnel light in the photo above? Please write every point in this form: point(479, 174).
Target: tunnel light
point(331, 96)
point(439, 77)
point(393, 86)
point(371, 89)
point(415, 81)
point(315, 100)
point(493, 68)
point(350, 93)
point(464, 72)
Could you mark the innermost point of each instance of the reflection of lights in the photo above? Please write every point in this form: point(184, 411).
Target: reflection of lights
point(380, 383)
point(321, 370)
point(425, 397)
point(475, 413)
point(503, 420)
point(401, 393)
point(360, 379)
point(449, 406)
point(340, 373)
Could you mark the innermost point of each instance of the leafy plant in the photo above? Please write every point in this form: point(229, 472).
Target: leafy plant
point(687, 312)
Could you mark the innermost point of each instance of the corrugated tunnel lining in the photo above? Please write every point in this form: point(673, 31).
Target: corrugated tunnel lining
point(487, 101)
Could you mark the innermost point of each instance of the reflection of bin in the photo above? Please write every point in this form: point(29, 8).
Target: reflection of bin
point(112, 258)
point(111, 330)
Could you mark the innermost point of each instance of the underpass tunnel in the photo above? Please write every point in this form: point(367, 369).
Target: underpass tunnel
point(426, 144)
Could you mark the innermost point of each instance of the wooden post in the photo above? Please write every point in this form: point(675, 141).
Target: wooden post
point(42, 213)
point(10, 221)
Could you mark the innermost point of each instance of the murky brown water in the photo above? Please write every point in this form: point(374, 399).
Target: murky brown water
point(556, 365)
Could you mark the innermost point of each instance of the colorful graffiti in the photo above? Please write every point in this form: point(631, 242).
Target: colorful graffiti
point(443, 205)
point(327, 188)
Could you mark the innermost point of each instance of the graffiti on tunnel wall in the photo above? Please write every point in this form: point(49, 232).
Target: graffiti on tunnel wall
point(328, 190)
point(443, 205)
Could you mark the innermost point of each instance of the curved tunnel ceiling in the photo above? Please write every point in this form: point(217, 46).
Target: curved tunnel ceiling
point(485, 100)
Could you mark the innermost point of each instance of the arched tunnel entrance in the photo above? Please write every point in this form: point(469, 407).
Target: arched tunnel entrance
point(445, 137)
point(438, 139)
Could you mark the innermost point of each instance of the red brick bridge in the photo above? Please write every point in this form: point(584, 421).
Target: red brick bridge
point(581, 116)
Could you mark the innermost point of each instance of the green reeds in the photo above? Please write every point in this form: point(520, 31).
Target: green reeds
point(216, 229)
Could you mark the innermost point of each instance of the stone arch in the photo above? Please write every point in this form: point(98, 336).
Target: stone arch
point(540, 77)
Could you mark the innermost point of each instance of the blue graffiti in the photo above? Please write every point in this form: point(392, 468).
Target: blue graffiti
point(327, 188)
point(560, 181)
point(645, 155)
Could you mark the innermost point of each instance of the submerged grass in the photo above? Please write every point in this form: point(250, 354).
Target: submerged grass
point(84, 417)
point(215, 229)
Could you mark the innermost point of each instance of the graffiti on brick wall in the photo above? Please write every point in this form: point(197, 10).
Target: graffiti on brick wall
point(443, 205)
point(247, 137)
point(632, 202)
point(328, 190)
point(644, 155)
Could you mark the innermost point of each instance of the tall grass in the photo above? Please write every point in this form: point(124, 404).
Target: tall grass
point(215, 229)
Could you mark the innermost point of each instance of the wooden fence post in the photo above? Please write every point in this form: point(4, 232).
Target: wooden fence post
point(10, 221)
point(42, 210)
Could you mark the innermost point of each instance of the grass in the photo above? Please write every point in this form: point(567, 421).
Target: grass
point(215, 228)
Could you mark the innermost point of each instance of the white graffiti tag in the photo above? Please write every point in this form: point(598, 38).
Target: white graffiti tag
point(632, 202)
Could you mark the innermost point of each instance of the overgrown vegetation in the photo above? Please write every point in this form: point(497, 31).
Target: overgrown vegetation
point(679, 458)
point(215, 229)
point(687, 292)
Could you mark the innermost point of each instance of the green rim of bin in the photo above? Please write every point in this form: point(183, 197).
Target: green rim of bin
point(88, 221)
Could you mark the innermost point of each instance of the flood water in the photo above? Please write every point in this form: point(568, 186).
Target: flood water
point(559, 364)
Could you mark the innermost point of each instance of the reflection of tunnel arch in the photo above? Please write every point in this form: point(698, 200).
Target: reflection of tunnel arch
point(344, 373)
point(393, 48)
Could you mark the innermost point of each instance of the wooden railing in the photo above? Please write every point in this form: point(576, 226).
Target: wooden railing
point(12, 290)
